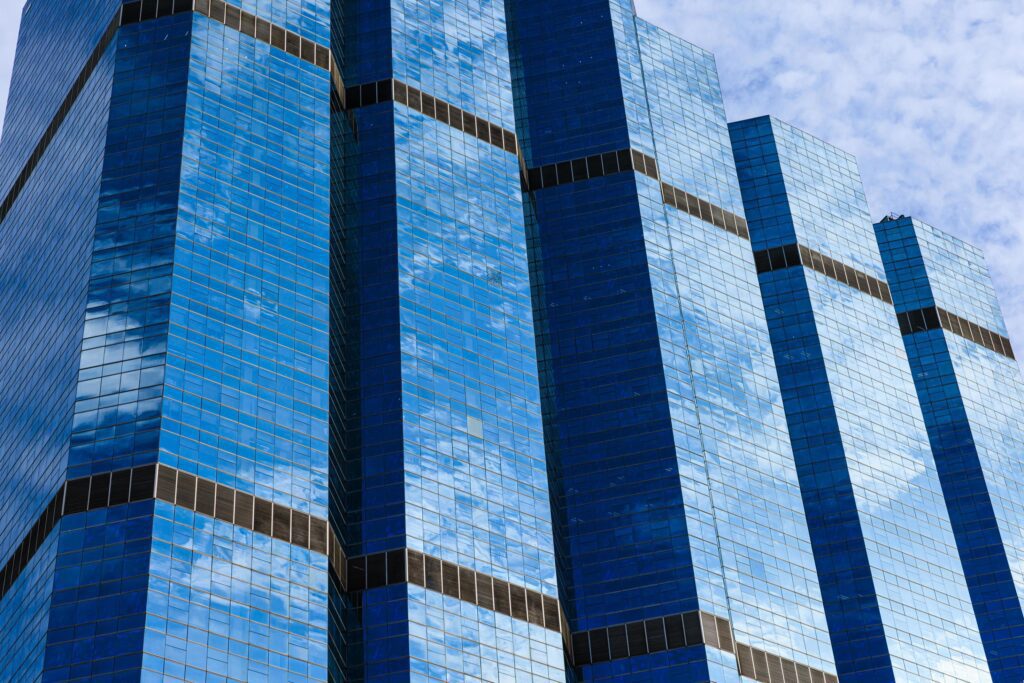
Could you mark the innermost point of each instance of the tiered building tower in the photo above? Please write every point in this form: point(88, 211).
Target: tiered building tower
point(388, 340)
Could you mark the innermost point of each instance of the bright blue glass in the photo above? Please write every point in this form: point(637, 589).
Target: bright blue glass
point(972, 399)
point(894, 591)
point(668, 449)
point(448, 453)
point(245, 390)
point(217, 267)
point(45, 247)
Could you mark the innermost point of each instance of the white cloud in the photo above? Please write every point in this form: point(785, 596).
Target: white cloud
point(10, 11)
point(928, 95)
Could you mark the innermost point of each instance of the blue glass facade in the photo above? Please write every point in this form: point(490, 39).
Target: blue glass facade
point(668, 449)
point(442, 406)
point(894, 591)
point(45, 246)
point(364, 340)
point(195, 320)
point(972, 397)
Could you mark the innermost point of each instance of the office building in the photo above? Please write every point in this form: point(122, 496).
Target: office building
point(970, 390)
point(364, 340)
point(895, 595)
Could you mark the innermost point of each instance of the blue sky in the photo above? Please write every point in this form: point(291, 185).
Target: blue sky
point(929, 95)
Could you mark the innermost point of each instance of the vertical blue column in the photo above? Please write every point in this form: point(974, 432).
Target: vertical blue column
point(973, 399)
point(245, 399)
point(45, 255)
point(442, 438)
point(101, 580)
point(894, 591)
point(674, 482)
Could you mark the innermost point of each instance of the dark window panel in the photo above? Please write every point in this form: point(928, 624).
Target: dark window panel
point(356, 570)
point(551, 619)
point(143, 483)
point(792, 255)
point(637, 160)
point(724, 634)
point(368, 94)
point(625, 160)
point(263, 30)
point(717, 217)
point(774, 667)
point(533, 179)
point(433, 573)
point(263, 517)
point(186, 495)
point(415, 98)
point(548, 176)
point(166, 484)
point(599, 650)
point(668, 195)
point(282, 523)
point(300, 529)
point(655, 631)
point(429, 106)
point(675, 634)
point(904, 322)
point(99, 490)
point(636, 638)
point(484, 591)
point(745, 660)
point(120, 487)
point(376, 570)
point(225, 510)
point(617, 643)
point(131, 12)
point(762, 262)
point(206, 492)
point(730, 223)
point(450, 579)
point(470, 123)
point(233, 17)
point(467, 585)
point(760, 665)
point(789, 671)
point(710, 628)
point(248, 25)
point(581, 647)
point(691, 628)
point(277, 37)
point(563, 171)
point(501, 597)
point(517, 595)
point(579, 169)
point(396, 566)
point(416, 571)
point(610, 161)
point(244, 509)
point(534, 608)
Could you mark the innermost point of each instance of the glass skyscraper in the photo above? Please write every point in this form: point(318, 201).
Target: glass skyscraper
point(388, 340)
point(895, 594)
point(973, 398)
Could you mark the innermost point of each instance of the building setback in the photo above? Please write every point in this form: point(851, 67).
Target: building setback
point(675, 492)
point(972, 397)
point(894, 591)
point(364, 340)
